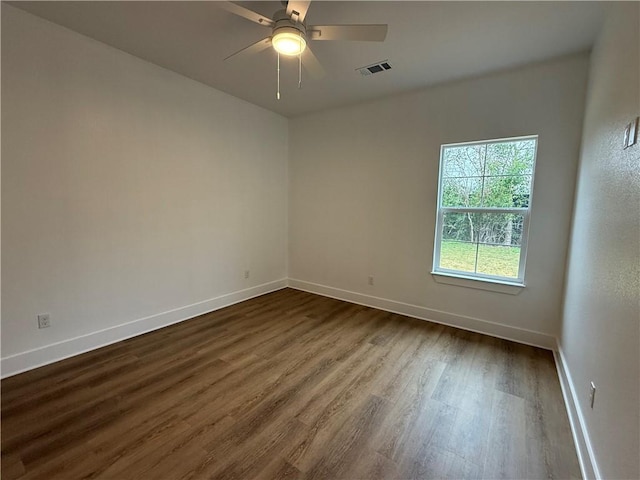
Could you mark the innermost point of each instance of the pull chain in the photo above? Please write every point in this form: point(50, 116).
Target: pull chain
point(300, 63)
point(278, 92)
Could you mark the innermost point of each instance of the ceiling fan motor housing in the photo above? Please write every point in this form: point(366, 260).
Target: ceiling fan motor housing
point(295, 29)
point(282, 20)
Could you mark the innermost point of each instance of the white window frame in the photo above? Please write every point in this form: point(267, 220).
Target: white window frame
point(525, 212)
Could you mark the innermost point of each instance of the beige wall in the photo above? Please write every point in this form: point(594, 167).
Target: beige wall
point(363, 187)
point(600, 333)
point(127, 190)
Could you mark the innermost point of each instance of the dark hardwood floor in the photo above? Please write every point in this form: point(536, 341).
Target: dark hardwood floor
point(292, 385)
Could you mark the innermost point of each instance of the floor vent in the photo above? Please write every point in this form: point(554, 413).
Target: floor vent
point(375, 68)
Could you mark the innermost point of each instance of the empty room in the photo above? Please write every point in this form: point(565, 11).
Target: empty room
point(320, 240)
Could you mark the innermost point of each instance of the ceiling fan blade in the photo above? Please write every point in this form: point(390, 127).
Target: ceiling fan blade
point(299, 8)
point(259, 46)
point(311, 64)
point(246, 13)
point(366, 33)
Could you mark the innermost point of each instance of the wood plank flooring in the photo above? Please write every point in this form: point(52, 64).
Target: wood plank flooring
point(292, 385)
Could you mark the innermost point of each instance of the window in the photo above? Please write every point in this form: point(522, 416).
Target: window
point(484, 202)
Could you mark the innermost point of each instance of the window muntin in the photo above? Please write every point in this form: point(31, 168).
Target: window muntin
point(484, 197)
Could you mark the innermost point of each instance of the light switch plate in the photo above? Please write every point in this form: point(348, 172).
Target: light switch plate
point(625, 137)
point(633, 132)
point(630, 133)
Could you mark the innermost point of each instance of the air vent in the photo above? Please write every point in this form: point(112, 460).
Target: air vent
point(375, 68)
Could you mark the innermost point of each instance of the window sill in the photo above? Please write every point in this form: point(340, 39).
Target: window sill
point(477, 283)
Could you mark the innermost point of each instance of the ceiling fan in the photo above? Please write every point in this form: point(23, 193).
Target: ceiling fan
point(290, 34)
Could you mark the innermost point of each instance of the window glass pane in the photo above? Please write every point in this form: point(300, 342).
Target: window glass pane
point(498, 260)
point(459, 256)
point(461, 192)
point(498, 229)
point(510, 158)
point(506, 191)
point(459, 226)
point(463, 161)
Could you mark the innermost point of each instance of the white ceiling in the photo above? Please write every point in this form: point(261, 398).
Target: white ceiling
point(427, 43)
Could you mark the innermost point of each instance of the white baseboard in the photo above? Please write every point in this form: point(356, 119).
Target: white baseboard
point(586, 457)
point(38, 357)
point(520, 335)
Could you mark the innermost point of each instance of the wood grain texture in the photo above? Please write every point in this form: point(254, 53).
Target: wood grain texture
point(291, 385)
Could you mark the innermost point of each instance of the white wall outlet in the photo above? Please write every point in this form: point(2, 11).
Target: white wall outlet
point(44, 321)
point(370, 279)
point(592, 394)
point(246, 273)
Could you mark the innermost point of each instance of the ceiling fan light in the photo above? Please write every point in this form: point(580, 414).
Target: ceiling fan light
point(289, 43)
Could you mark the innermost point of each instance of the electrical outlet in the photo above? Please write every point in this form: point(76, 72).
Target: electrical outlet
point(246, 274)
point(592, 394)
point(44, 321)
point(370, 279)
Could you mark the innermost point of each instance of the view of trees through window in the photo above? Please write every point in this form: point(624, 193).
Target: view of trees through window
point(484, 200)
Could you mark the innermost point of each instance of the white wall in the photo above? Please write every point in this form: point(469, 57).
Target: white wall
point(601, 327)
point(127, 191)
point(363, 188)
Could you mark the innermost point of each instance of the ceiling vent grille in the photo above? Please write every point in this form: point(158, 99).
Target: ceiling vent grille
point(382, 66)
